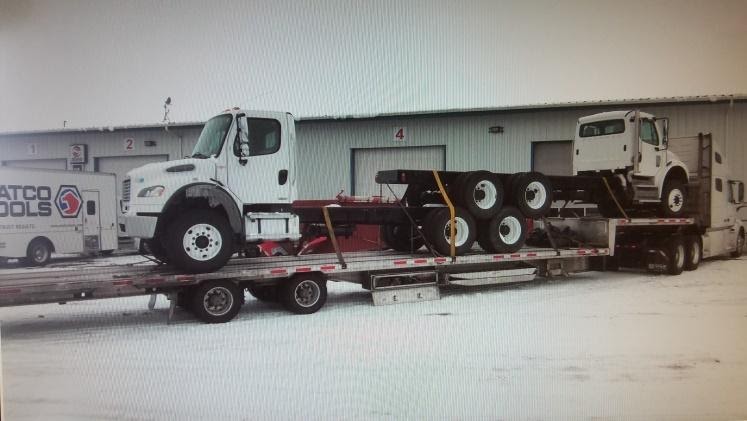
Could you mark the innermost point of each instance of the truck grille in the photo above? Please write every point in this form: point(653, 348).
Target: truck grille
point(126, 190)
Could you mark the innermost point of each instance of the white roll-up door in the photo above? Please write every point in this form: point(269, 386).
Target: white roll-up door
point(367, 162)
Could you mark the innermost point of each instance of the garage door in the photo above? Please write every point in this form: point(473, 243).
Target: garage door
point(49, 164)
point(367, 162)
point(553, 158)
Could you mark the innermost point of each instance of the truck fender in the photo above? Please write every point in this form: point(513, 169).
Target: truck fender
point(217, 197)
point(677, 171)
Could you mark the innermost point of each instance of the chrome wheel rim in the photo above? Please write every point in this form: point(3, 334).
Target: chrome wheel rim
point(40, 254)
point(509, 230)
point(461, 231)
point(218, 301)
point(679, 256)
point(202, 242)
point(535, 195)
point(695, 253)
point(307, 293)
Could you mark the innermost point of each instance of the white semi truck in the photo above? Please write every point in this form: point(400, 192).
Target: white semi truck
point(46, 211)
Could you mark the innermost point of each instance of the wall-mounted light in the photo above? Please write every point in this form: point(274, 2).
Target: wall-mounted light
point(495, 129)
point(150, 143)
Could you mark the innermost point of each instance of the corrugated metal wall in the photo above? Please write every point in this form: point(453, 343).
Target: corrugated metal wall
point(325, 147)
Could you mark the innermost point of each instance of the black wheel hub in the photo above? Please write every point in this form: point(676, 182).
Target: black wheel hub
point(202, 242)
point(530, 195)
point(479, 195)
point(504, 230)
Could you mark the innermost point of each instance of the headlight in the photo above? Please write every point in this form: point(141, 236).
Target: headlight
point(152, 191)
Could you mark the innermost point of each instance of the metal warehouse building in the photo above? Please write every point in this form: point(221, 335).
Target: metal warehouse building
point(344, 153)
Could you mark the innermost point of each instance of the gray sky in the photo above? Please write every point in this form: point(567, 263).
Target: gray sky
point(101, 62)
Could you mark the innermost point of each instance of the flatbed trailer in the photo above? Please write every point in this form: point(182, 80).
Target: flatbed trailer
point(299, 282)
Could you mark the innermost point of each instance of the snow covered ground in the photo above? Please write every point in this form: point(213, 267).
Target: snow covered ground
point(594, 346)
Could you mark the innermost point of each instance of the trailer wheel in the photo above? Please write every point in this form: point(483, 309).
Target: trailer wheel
point(199, 241)
point(304, 293)
point(675, 252)
point(438, 230)
point(217, 301)
point(265, 293)
point(532, 194)
point(481, 193)
point(401, 237)
point(673, 198)
point(693, 252)
point(39, 252)
point(504, 233)
point(740, 244)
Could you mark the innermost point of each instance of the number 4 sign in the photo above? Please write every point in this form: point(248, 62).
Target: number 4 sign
point(129, 144)
point(400, 134)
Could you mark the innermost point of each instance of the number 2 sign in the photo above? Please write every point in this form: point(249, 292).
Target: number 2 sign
point(129, 144)
point(400, 134)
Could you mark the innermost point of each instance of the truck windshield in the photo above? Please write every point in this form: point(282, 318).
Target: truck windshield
point(213, 134)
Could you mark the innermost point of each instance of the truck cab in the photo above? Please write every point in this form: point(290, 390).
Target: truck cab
point(237, 186)
point(631, 147)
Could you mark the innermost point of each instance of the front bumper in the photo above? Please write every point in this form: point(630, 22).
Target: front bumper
point(139, 226)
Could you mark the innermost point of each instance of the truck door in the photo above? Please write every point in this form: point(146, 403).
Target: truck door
point(650, 149)
point(91, 222)
point(260, 158)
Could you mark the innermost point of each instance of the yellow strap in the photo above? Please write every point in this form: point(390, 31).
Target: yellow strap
point(452, 227)
point(332, 237)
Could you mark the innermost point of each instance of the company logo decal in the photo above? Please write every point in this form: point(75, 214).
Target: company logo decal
point(68, 201)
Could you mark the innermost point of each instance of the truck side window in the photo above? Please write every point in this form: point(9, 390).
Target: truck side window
point(648, 133)
point(717, 157)
point(602, 128)
point(719, 185)
point(263, 135)
point(90, 207)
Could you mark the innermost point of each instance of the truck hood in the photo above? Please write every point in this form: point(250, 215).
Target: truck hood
point(171, 173)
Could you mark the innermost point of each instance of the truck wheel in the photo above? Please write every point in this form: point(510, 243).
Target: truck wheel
point(304, 293)
point(673, 198)
point(740, 245)
point(217, 301)
point(693, 252)
point(438, 230)
point(265, 293)
point(481, 193)
point(504, 233)
point(199, 241)
point(39, 252)
point(532, 194)
point(675, 251)
point(401, 237)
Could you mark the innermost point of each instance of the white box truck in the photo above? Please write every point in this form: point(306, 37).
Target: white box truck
point(51, 211)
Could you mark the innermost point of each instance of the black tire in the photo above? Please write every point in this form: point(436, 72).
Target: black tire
point(184, 299)
point(264, 293)
point(675, 252)
point(693, 252)
point(532, 194)
point(505, 232)
point(740, 245)
point(38, 252)
point(437, 230)
point(106, 252)
point(217, 301)
point(155, 248)
point(673, 199)
point(303, 293)
point(402, 237)
point(481, 194)
point(211, 241)
point(612, 263)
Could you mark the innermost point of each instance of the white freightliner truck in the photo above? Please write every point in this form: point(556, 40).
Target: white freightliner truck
point(203, 201)
point(46, 211)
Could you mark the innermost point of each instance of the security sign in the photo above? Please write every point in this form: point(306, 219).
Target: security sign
point(68, 201)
